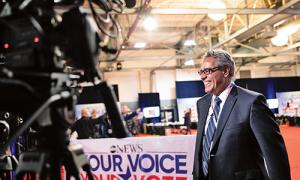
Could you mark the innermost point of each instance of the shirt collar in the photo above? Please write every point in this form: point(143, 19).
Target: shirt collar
point(223, 96)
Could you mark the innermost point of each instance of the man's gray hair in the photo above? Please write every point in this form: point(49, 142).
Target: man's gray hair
point(224, 59)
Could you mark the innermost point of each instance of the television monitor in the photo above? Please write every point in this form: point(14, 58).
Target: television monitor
point(151, 112)
point(273, 103)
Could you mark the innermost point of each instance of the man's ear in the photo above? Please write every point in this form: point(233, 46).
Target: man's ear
point(226, 71)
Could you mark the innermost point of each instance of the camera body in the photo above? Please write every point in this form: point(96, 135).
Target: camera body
point(36, 45)
point(38, 39)
point(24, 45)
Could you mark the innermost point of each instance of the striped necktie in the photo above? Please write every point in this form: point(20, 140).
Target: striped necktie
point(209, 135)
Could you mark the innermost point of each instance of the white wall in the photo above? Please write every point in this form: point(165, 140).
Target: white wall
point(187, 75)
point(165, 84)
point(133, 82)
point(128, 84)
point(163, 81)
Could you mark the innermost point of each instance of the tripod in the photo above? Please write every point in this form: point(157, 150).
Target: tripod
point(46, 165)
point(52, 117)
point(53, 150)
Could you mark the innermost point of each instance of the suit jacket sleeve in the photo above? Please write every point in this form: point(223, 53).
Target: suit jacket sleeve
point(267, 134)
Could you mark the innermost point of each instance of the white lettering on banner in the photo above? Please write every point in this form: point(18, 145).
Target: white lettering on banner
point(146, 158)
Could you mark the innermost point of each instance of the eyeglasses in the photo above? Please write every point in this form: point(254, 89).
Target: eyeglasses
point(208, 71)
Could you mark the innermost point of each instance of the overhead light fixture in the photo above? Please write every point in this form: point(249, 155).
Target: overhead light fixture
point(139, 45)
point(280, 40)
point(289, 29)
point(150, 23)
point(217, 4)
point(284, 32)
point(189, 62)
point(189, 42)
point(119, 66)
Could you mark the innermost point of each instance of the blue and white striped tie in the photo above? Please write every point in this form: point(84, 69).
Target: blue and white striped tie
point(209, 134)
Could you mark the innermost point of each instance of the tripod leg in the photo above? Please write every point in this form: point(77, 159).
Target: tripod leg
point(87, 169)
point(55, 170)
point(9, 175)
point(20, 176)
point(71, 172)
point(26, 175)
point(75, 160)
point(32, 176)
point(68, 175)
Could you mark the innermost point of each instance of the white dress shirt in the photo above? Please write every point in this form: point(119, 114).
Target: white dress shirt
point(223, 96)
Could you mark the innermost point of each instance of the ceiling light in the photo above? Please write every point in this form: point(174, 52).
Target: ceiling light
point(150, 23)
point(189, 42)
point(280, 40)
point(119, 66)
point(189, 62)
point(284, 32)
point(217, 4)
point(289, 29)
point(139, 45)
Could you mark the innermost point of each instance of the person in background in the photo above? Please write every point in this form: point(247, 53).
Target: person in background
point(129, 116)
point(84, 127)
point(101, 124)
point(237, 136)
point(187, 120)
point(141, 122)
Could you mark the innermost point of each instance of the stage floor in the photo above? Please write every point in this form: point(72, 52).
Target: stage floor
point(291, 135)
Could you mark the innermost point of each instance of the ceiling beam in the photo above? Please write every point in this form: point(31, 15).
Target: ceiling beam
point(194, 11)
point(169, 28)
point(234, 55)
point(147, 58)
point(257, 27)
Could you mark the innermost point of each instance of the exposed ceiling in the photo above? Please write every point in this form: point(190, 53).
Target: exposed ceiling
point(245, 32)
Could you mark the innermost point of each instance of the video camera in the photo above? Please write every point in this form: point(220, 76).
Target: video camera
point(37, 43)
point(39, 39)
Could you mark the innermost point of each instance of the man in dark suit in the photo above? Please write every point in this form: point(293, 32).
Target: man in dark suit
point(237, 137)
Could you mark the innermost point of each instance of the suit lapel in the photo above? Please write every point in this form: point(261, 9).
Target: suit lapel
point(202, 116)
point(203, 113)
point(227, 108)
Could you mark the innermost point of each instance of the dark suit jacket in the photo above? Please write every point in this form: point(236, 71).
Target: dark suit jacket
point(246, 136)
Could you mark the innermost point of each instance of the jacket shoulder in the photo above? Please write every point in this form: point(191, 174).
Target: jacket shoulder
point(204, 98)
point(247, 92)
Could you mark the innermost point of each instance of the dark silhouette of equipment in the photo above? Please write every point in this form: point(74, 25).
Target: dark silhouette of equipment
point(35, 48)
